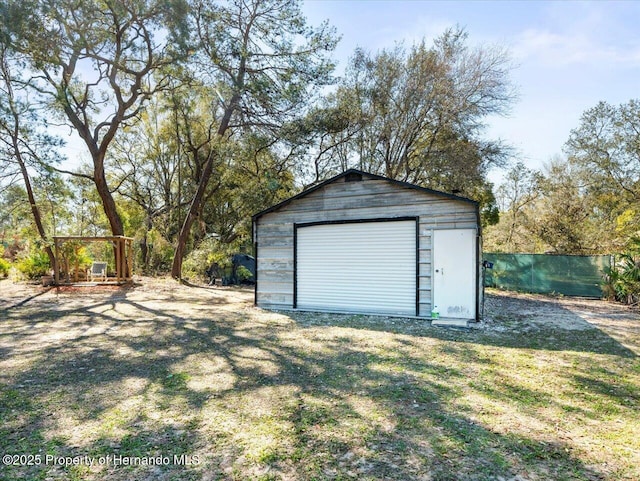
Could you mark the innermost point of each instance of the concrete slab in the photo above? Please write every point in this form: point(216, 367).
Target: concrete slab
point(445, 322)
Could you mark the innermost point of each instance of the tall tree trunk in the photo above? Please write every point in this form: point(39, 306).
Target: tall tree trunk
point(144, 245)
point(109, 206)
point(108, 203)
point(14, 132)
point(144, 254)
point(35, 210)
point(183, 237)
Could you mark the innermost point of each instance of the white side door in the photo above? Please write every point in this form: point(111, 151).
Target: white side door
point(455, 273)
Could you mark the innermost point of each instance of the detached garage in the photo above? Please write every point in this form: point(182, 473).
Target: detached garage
point(362, 243)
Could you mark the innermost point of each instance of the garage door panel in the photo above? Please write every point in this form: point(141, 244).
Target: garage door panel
point(366, 267)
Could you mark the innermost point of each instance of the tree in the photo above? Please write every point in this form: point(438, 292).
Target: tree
point(516, 196)
point(21, 143)
point(254, 177)
point(93, 62)
point(261, 59)
point(608, 143)
point(148, 171)
point(606, 146)
point(15, 215)
point(322, 140)
point(562, 218)
point(159, 161)
point(417, 114)
point(550, 211)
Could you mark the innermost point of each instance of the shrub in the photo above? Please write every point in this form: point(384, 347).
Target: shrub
point(209, 251)
point(623, 279)
point(196, 262)
point(34, 266)
point(75, 253)
point(159, 255)
point(4, 267)
point(243, 274)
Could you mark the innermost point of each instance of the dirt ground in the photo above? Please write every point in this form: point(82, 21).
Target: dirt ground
point(527, 312)
point(503, 311)
point(158, 293)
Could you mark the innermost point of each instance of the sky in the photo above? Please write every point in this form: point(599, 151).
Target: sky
point(567, 55)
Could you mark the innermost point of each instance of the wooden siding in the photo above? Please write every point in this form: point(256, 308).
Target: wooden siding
point(338, 201)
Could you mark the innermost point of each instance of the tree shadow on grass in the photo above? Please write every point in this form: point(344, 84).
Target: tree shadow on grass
point(253, 400)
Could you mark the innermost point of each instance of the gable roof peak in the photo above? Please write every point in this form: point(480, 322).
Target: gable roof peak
point(351, 171)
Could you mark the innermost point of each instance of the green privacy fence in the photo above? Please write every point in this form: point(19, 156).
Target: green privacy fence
point(547, 274)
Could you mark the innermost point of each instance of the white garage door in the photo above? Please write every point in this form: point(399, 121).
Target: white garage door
point(357, 267)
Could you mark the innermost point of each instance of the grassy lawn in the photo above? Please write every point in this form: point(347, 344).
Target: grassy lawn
point(197, 384)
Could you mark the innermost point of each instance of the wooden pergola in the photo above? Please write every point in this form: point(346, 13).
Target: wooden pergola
point(122, 248)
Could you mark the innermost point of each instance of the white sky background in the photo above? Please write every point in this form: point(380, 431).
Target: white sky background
point(568, 55)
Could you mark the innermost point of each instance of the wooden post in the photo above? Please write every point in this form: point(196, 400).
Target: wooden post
point(123, 274)
point(117, 252)
point(123, 261)
point(130, 267)
point(56, 264)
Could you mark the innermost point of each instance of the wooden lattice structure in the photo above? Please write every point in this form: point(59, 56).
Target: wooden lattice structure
point(123, 253)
